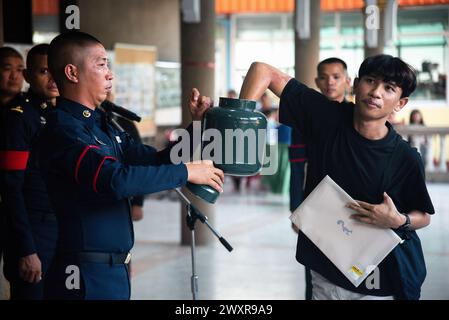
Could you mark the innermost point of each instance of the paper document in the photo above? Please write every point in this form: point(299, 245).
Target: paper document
point(355, 248)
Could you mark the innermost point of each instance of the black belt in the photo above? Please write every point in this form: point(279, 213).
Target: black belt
point(97, 257)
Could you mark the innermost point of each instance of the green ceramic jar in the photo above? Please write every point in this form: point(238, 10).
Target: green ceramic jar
point(234, 135)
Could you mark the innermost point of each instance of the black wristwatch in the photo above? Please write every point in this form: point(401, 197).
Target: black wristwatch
point(407, 223)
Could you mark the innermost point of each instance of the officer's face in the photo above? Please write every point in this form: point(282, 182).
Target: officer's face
point(95, 75)
point(40, 80)
point(11, 75)
point(332, 81)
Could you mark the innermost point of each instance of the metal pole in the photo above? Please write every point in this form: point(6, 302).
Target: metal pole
point(194, 214)
point(194, 279)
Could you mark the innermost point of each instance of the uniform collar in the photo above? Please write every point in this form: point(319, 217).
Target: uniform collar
point(17, 100)
point(39, 102)
point(79, 111)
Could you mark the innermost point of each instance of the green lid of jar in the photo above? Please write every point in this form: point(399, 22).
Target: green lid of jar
point(237, 103)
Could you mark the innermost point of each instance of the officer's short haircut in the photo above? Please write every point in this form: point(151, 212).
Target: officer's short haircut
point(331, 60)
point(390, 69)
point(63, 50)
point(8, 52)
point(40, 49)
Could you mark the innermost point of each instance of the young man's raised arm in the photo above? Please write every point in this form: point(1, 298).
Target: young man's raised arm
point(261, 77)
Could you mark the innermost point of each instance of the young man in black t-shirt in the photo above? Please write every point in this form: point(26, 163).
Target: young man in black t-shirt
point(356, 146)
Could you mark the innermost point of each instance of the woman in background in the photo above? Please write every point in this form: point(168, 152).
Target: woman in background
point(418, 141)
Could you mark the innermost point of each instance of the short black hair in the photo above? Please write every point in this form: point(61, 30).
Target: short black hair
point(40, 49)
point(330, 61)
point(390, 69)
point(62, 51)
point(416, 111)
point(8, 52)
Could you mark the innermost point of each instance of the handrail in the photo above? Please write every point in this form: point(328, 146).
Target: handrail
point(406, 130)
point(434, 153)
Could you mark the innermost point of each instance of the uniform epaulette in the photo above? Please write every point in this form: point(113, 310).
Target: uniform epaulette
point(17, 109)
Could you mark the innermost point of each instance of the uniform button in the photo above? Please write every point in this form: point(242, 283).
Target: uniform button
point(43, 105)
point(86, 113)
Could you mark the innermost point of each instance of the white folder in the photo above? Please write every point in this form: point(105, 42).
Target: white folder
point(355, 248)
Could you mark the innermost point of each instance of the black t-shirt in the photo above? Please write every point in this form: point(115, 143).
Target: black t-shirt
point(356, 164)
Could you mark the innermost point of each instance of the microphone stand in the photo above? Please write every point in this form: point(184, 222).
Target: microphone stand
point(194, 214)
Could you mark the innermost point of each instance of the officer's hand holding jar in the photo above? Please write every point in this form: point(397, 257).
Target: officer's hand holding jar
point(203, 171)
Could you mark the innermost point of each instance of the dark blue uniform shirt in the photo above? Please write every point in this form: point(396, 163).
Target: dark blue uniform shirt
point(91, 170)
point(23, 189)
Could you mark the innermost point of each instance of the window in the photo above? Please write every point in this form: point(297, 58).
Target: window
point(422, 35)
point(422, 42)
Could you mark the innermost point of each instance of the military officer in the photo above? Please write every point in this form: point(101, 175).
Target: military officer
point(11, 74)
point(91, 170)
point(11, 81)
point(31, 224)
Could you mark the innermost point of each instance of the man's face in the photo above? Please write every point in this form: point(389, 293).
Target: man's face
point(377, 99)
point(11, 75)
point(333, 81)
point(95, 76)
point(40, 80)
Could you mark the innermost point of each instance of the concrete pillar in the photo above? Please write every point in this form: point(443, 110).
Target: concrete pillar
point(372, 11)
point(307, 51)
point(198, 70)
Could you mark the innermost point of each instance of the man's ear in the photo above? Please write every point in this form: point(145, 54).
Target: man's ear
point(348, 81)
point(348, 84)
point(71, 73)
point(316, 82)
point(355, 85)
point(401, 104)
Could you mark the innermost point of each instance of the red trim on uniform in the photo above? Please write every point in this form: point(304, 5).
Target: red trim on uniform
point(98, 171)
point(13, 160)
point(298, 160)
point(294, 146)
point(81, 158)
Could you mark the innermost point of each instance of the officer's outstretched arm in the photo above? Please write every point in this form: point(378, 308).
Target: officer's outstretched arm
point(136, 153)
point(92, 169)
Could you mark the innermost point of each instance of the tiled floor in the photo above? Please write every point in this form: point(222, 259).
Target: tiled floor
point(262, 264)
